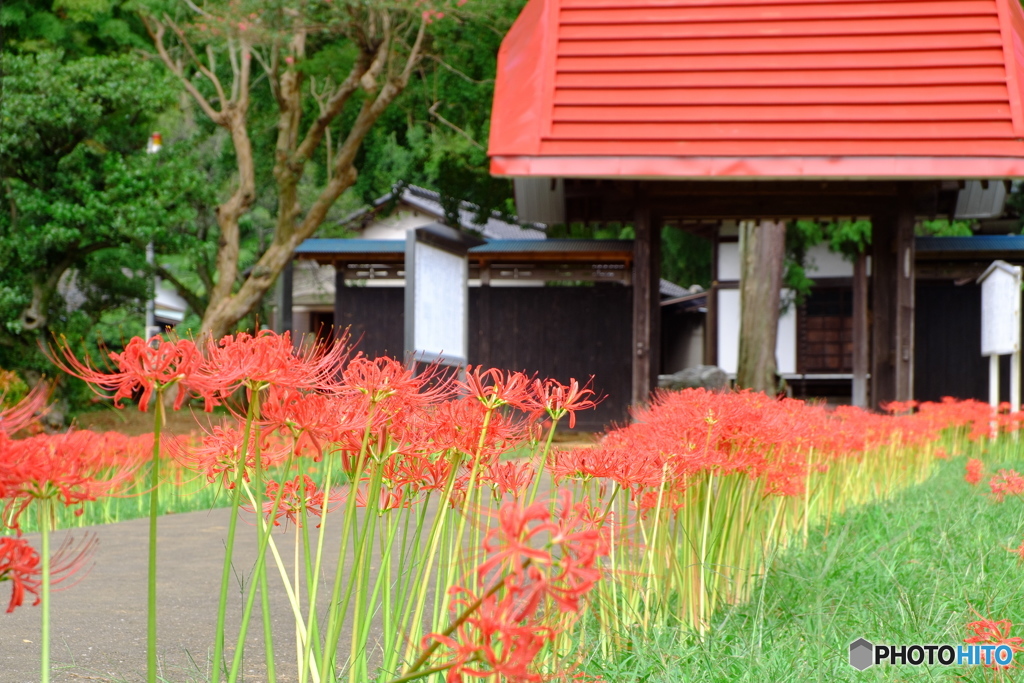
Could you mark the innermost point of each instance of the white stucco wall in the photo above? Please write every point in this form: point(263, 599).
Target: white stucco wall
point(728, 312)
point(821, 262)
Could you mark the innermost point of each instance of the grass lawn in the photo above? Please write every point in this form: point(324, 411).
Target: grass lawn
point(912, 569)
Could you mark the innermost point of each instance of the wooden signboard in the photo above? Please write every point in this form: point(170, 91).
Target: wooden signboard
point(1000, 325)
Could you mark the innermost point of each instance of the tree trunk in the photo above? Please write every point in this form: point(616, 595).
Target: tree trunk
point(762, 254)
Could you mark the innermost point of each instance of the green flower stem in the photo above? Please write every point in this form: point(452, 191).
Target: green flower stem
point(261, 561)
point(313, 584)
point(543, 461)
point(44, 596)
point(225, 576)
point(154, 511)
point(329, 654)
point(262, 534)
point(413, 671)
point(435, 534)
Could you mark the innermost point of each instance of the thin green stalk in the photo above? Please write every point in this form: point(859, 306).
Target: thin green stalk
point(225, 575)
point(154, 511)
point(44, 595)
point(329, 653)
point(261, 561)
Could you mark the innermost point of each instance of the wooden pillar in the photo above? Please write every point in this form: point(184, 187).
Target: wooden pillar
point(285, 320)
point(711, 318)
point(339, 299)
point(861, 339)
point(646, 308)
point(483, 329)
point(892, 299)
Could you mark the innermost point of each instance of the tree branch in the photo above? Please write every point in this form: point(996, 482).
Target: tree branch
point(194, 301)
point(156, 32)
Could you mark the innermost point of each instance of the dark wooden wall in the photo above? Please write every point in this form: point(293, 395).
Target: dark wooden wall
point(947, 338)
point(561, 333)
point(556, 332)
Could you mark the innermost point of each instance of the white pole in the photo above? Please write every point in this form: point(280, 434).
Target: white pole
point(151, 328)
point(993, 380)
point(152, 147)
point(1015, 381)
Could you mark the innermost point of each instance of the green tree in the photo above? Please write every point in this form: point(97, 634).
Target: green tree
point(332, 72)
point(82, 197)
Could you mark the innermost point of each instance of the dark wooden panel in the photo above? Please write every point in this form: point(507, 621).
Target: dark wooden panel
point(557, 332)
point(561, 333)
point(376, 318)
point(947, 356)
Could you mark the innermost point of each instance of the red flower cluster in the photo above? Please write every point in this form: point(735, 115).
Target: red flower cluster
point(975, 469)
point(691, 432)
point(1006, 483)
point(73, 467)
point(990, 632)
point(142, 367)
point(19, 564)
point(300, 494)
point(539, 566)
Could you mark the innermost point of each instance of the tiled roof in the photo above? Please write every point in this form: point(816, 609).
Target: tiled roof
point(761, 88)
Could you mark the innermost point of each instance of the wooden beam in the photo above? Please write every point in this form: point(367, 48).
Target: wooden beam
point(861, 339)
point(645, 291)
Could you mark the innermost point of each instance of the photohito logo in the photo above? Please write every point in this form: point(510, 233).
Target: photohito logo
point(865, 654)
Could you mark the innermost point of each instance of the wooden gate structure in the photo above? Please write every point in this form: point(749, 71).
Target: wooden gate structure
point(674, 111)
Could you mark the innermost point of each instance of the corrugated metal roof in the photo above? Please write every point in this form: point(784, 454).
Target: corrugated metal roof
point(339, 245)
point(694, 88)
point(977, 243)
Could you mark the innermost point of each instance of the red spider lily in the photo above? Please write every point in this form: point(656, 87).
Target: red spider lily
point(269, 359)
point(493, 642)
point(1018, 551)
point(990, 632)
point(495, 388)
point(898, 407)
point(974, 471)
point(300, 493)
point(387, 380)
point(1006, 483)
point(26, 411)
point(459, 425)
point(558, 399)
point(67, 467)
point(308, 418)
point(501, 632)
point(510, 476)
point(221, 451)
point(19, 564)
point(141, 366)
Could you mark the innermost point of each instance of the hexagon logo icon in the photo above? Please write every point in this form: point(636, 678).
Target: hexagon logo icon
point(862, 654)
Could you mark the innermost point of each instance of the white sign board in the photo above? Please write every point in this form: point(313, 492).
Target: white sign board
point(1000, 309)
point(440, 303)
point(437, 294)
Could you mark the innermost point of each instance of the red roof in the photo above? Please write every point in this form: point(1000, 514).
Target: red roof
point(761, 88)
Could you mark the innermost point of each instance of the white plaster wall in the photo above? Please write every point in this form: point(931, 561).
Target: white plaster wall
point(396, 225)
point(728, 261)
point(728, 313)
point(824, 263)
point(820, 262)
